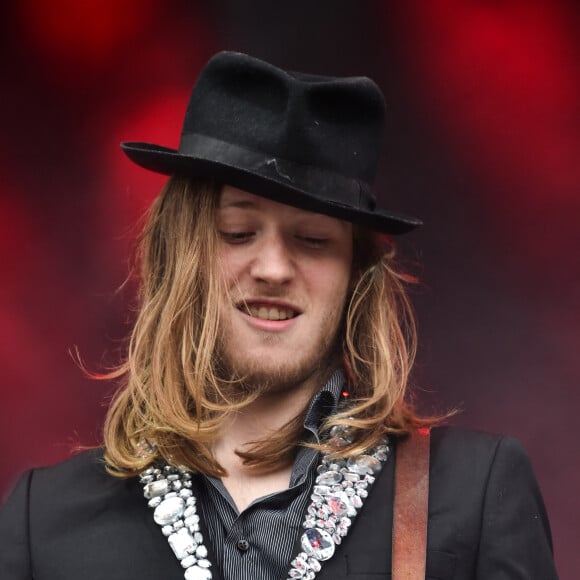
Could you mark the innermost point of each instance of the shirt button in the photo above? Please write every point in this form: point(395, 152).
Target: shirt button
point(242, 545)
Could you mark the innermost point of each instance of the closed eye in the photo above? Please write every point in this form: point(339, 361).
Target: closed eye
point(311, 241)
point(236, 237)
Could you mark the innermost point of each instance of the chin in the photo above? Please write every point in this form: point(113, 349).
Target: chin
point(271, 373)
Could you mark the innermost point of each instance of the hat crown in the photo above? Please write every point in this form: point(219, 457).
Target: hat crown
point(305, 140)
point(335, 124)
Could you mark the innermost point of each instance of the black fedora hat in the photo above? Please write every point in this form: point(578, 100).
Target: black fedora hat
point(304, 140)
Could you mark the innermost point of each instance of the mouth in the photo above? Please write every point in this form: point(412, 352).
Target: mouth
point(269, 310)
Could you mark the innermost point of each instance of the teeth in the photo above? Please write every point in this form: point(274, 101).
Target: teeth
point(270, 313)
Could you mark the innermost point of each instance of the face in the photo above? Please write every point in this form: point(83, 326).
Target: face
point(287, 273)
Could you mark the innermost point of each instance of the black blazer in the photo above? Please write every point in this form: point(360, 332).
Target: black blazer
point(486, 521)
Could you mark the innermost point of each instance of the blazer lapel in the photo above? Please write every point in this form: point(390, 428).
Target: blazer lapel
point(367, 547)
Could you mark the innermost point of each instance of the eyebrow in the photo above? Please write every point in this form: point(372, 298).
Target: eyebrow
point(240, 203)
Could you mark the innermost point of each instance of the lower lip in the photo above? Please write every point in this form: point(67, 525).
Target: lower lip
point(269, 325)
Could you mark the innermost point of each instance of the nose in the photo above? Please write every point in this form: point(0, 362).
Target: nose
point(273, 262)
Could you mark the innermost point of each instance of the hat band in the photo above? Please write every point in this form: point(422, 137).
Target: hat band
point(326, 186)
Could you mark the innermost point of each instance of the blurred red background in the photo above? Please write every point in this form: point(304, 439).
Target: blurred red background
point(483, 142)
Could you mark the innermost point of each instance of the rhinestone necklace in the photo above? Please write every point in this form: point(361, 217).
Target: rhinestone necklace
point(339, 492)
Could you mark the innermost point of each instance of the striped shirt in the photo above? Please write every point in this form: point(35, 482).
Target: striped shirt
point(259, 543)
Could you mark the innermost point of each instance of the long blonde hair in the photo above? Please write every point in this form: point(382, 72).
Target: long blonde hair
point(172, 403)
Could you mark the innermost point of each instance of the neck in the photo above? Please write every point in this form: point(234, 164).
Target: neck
point(260, 420)
point(252, 424)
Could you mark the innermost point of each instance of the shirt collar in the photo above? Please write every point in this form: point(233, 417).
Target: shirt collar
point(324, 403)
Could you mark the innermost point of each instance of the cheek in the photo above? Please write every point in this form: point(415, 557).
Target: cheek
point(330, 285)
point(231, 265)
point(342, 271)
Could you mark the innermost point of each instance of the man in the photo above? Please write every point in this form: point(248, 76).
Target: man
point(262, 424)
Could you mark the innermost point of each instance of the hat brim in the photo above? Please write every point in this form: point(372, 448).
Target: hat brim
point(257, 178)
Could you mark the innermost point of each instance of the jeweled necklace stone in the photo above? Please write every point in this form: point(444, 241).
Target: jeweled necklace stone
point(168, 490)
point(339, 492)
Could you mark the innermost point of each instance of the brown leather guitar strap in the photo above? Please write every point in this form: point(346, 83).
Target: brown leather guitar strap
point(410, 506)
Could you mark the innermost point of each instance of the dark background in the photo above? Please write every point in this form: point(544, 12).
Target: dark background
point(483, 142)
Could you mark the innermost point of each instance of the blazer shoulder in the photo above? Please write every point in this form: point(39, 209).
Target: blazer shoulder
point(482, 491)
point(448, 435)
point(85, 468)
point(466, 445)
point(462, 459)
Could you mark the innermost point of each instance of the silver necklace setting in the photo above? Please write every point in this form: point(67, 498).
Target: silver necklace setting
point(340, 489)
point(168, 490)
point(339, 492)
